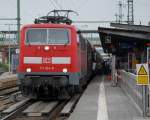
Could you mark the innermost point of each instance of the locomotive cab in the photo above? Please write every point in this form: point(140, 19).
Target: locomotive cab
point(49, 63)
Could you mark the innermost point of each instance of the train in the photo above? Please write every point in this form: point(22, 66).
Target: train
point(97, 62)
point(55, 61)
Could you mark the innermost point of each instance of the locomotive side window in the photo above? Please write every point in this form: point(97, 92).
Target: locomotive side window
point(47, 36)
point(82, 42)
point(58, 36)
point(36, 36)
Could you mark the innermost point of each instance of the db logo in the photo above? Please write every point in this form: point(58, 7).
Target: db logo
point(46, 60)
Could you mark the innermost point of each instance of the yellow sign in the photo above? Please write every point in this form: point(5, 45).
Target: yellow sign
point(142, 71)
point(142, 74)
point(142, 80)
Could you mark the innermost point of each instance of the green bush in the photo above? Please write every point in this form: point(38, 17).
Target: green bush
point(4, 67)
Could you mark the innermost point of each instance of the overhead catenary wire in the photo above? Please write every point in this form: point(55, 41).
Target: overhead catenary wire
point(58, 4)
point(83, 4)
point(51, 1)
point(96, 21)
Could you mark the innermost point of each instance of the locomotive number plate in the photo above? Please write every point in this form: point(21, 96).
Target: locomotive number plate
point(46, 60)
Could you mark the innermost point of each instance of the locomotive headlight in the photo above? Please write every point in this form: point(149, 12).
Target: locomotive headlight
point(28, 70)
point(46, 48)
point(65, 70)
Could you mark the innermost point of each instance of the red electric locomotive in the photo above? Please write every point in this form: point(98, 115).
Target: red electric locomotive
point(55, 60)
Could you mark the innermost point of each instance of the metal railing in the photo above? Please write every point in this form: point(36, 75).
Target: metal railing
point(128, 83)
point(13, 42)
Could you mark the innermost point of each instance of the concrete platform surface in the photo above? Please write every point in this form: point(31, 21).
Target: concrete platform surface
point(101, 101)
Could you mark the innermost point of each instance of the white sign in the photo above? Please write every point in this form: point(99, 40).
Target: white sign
point(17, 51)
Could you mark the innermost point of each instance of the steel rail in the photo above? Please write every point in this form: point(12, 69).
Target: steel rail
point(15, 113)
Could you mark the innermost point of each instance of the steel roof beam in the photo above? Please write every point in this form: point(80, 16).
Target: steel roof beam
point(125, 33)
point(88, 31)
point(132, 27)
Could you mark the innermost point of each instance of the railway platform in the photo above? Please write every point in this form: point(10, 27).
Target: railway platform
point(102, 101)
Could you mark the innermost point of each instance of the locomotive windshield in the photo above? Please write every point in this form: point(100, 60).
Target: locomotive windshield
point(47, 36)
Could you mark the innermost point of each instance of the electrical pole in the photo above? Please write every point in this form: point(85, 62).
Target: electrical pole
point(130, 17)
point(116, 15)
point(9, 54)
point(18, 20)
point(120, 12)
point(119, 15)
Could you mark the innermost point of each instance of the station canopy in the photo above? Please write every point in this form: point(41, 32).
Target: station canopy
point(123, 38)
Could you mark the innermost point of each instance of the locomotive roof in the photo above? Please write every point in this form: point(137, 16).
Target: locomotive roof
point(48, 25)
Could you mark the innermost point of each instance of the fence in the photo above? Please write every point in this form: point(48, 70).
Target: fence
point(13, 42)
point(128, 83)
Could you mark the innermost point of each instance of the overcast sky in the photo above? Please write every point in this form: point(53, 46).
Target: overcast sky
point(87, 9)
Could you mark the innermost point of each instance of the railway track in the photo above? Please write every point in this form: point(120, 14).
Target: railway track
point(9, 91)
point(7, 87)
point(40, 110)
point(5, 103)
point(36, 110)
point(6, 97)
